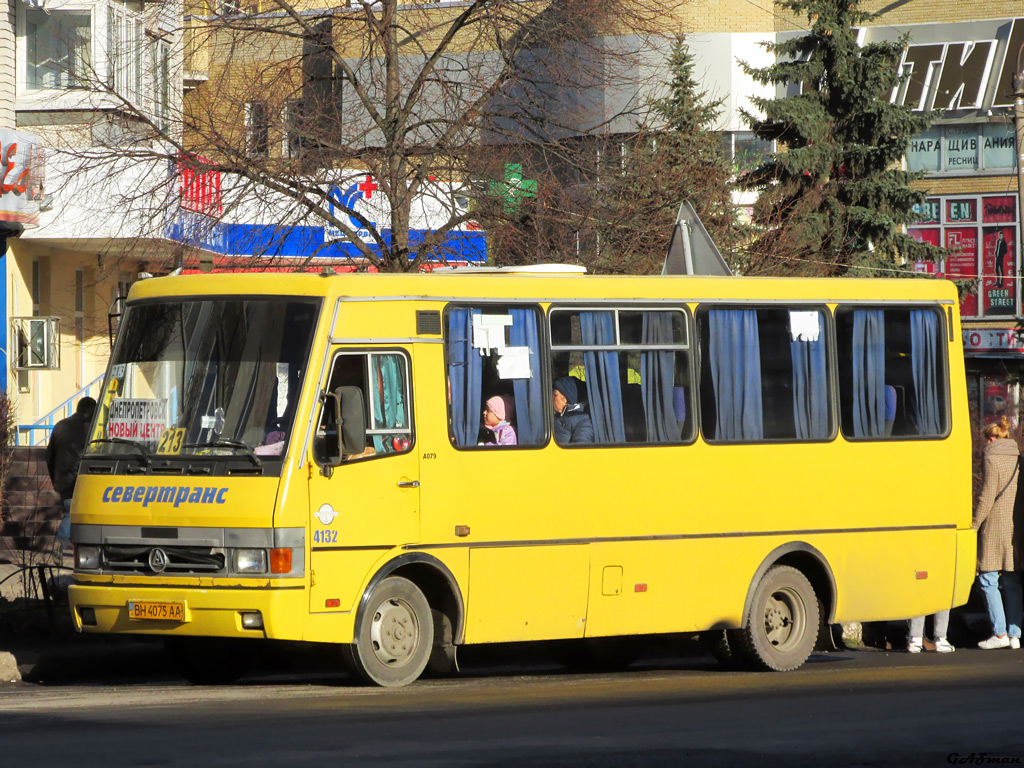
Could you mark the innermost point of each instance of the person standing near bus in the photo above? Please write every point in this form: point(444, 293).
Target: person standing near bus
point(998, 560)
point(63, 453)
point(572, 423)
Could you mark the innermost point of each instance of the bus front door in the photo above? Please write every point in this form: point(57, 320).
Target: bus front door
point(370, 503)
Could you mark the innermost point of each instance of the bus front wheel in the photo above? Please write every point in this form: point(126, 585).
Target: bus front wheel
point(394, 637)
point(782, 624)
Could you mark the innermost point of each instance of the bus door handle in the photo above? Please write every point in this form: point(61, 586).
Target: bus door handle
point(409, 484)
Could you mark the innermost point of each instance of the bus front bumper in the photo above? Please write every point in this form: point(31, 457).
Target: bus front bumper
point(274, 613)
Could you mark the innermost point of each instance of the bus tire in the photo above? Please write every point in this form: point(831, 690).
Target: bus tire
point(209, 660)
point(394, 636)
point(781, 627)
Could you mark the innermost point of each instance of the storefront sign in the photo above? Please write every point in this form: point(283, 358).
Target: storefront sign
point(958, 73)
point(992, 340)
point(21, 177)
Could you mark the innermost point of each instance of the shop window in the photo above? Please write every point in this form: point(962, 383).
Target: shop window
point(892, 372)
point(494, 352)
point(383, 380)
point(58, 49)
point(37, 342)
point(628, 373)
point(764, 374)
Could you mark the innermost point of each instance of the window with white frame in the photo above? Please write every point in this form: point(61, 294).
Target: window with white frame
point(257, 129)
point(37, 342)
point(58, 49)
point(160, 82)
point(291, 138)
point(125, 52)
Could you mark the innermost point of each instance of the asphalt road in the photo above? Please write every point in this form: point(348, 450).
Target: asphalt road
point(844, 708)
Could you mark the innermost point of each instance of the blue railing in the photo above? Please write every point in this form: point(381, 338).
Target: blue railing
point(39, 432)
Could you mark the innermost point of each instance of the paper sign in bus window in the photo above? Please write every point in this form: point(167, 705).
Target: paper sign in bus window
point(804, 326)
point(489, 332)
point(514, 363)
point(137, 419)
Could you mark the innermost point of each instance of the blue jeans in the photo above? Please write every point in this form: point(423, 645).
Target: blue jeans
point(64, 529)
point(1012, 597)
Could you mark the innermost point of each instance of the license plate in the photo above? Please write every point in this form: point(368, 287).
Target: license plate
point(145, 610)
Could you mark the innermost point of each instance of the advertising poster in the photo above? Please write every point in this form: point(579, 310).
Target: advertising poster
point(996, 400)
point(999, 271)
point(962, 263)
point(999, 210)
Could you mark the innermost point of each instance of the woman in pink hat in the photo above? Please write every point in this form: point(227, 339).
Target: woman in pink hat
point(494, 420)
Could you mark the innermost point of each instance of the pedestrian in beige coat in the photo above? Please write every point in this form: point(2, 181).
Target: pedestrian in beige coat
point(998, 561)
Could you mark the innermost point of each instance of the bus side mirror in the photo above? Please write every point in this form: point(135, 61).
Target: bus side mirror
point(352, 427)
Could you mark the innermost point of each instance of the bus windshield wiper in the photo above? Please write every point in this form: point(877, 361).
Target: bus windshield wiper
point(220, 443)
point(143, 453)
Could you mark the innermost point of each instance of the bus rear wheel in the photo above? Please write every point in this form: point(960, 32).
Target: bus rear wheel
point(781, 627)
point(394, 636)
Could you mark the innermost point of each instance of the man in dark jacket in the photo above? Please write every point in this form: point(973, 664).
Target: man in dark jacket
point(572, 423)
point(63, 453)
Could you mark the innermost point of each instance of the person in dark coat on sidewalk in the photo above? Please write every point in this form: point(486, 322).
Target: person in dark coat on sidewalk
point(572, 423)
point(63, 454)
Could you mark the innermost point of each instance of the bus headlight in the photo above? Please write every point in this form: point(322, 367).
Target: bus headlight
point(87, 557)
point(250, 561)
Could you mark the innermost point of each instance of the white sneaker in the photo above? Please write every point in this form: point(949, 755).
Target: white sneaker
point(915, 645)
point(942, 645)
point(996, 641)
point(1015, 643)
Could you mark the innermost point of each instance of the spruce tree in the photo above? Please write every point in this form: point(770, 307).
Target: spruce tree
point(833, 198)
point(676, 155)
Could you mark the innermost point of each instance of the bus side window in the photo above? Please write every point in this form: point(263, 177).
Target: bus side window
point(495, 351)
point(892, 372)
point(383, 379)
point(630, 369)
point(764, 374)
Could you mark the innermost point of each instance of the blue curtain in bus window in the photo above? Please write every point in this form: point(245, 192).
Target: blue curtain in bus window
point(657, 374)
point(465, 377)
point(388, 399)
point(604, 390)
point(736, 374)
point(530, 398)
point(810, 388)
point(924, 349)
point(868, 373)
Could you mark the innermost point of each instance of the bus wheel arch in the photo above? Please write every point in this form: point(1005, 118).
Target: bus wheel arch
point(441, 590)
point(788, 610)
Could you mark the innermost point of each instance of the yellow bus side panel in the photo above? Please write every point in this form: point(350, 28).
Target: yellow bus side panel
point(527, 593)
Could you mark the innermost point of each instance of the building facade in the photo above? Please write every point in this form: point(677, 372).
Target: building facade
point(80, 81)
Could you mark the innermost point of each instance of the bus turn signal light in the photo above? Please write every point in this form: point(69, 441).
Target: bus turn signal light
point(281, 560)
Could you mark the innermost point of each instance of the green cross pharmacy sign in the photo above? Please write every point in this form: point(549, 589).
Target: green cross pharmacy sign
point(514, 188)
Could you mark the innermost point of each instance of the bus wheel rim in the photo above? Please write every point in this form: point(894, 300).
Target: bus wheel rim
point(784, 618)
point(394, 633)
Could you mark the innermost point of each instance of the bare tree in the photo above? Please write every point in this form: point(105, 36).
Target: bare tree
point(374, 120)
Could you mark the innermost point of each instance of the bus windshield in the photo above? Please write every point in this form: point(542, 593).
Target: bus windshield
point(209, 377)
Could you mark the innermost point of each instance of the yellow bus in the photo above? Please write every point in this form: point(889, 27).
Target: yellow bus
point(377, 461)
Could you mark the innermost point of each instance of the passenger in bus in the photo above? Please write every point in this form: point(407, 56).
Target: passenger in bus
point(495, 421)
point(998, 559)
point(572, 423)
